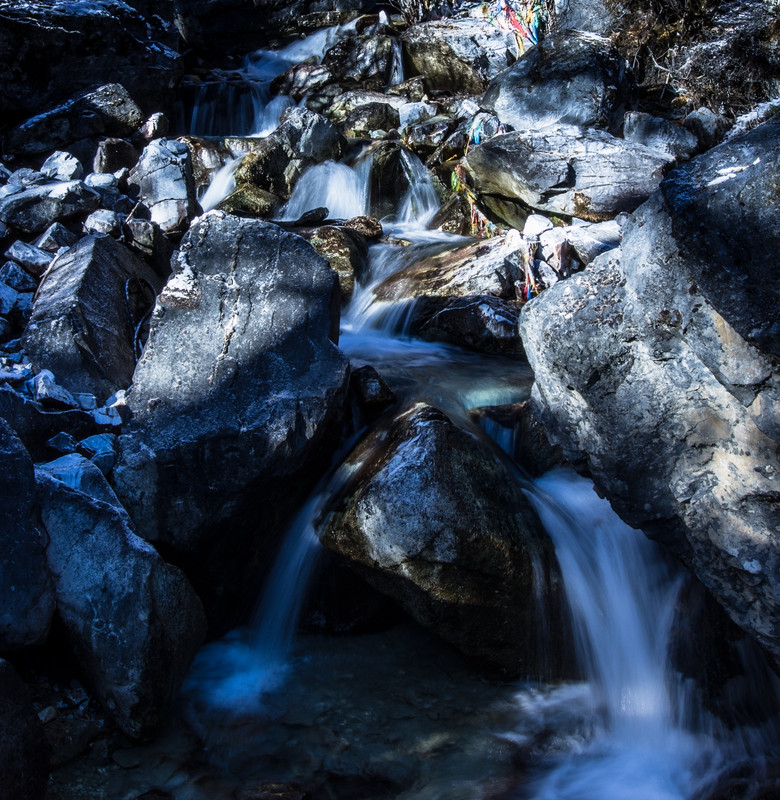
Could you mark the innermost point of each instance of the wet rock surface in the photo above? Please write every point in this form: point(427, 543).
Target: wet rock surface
point(239, 387)
point(458, 554)
point(666, 398)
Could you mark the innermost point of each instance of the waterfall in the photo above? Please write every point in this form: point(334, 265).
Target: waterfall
point(622, 595)
point(222, 184)
point(420, 203)
point(343, 190)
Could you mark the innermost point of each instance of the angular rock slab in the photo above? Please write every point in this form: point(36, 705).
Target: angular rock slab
point(34, 209)
point(565, 170)
point(26, 590)
point(431, 517)
point(569, 78)
point(164, 181)
point(239, 389)
point(133, 621)
point(459, 55)
point(676, 413)
point(84, 320)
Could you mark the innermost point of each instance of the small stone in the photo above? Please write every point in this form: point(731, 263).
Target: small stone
point(114, 154)
point(35, 260)
point(107, 416)
point(46, 715)
point(62, 166)
point(181, 291)
point(155, 127)
point(106, 185)
point(15, 374)
point(100, 450)
point(27, 177)
point(104, 222)
point(44, 388)
point(536, 225)
point(62, 443)
point(87, 402)
point(18, 279)
point(55, 237)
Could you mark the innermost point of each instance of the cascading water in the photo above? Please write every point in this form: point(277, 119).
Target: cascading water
point(626, 732)
point(343, 190)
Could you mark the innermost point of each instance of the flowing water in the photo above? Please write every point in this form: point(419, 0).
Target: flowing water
point(396, 714)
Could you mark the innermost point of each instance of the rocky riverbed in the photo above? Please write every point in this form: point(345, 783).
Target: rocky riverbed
point(209, 211)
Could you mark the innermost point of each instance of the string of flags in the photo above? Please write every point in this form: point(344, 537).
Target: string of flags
point(525, 18)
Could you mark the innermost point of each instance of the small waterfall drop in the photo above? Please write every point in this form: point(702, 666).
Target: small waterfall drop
point(420, 203)
point(343, 190)
point(222, 184)
point(622, 596)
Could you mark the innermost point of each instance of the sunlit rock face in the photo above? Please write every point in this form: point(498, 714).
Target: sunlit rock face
point(459, 55)
point(659, 364)
point(433, 519)
point(239, 389)
point(570, 78)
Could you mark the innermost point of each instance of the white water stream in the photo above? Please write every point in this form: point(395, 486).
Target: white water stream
point(627, 732)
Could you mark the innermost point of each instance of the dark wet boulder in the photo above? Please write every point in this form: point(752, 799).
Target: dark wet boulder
point(163, 180)
point(569, 78)
point(658, 365)
point(564, 170)
point(106, 111)
point(459, 55)
point(26, 592)
point(33, 209)
point(431, 517)
point(238, 393)
point(663, 135)
point(483, 323)
point(86, 316)
point(302, 140)
point(24, 752)
point(61, 48)
point(133, 621)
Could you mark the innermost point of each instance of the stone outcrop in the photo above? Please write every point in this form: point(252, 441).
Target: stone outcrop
point(164, 182)
point(432, 518)
point(133, 621)
point(239, 388)
point(569, 78)
point(658, 363)
point(565, 170)
point(459, 55)
point(85, 320)
point(106, 111)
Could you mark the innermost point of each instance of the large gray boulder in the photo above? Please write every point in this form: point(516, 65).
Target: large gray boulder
point(459, 55)
point(26, 591)
point(564, 170)
point(163, 180)
point(432, 518)
point(133, 621)
point(86, 316)
point(24, 752)
point(569, 78)
point(658, 364)
point(237, 395)
point(302, 140)
point(61, 48)
point(106, 111)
